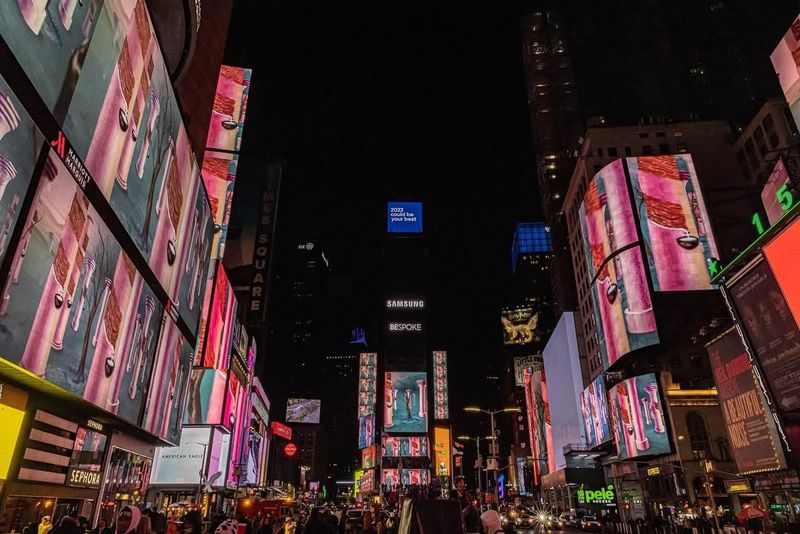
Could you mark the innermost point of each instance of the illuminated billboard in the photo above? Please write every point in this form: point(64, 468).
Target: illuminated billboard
point(443, 450)
point(75, 308)
point(594, 407)
point(230, 107)
point(768, 321)
point(786, 61)
point(12, 413)
point(182, 464)
point(20, 144)
point(219, 175)
point(216, 332)
point(540, 431)
point(404, 218)
point(770, 199)
point(367, 383)
point(405, 402)
point(622, 305)
point(519, 326)
point(782, 254)
point(523, 362)
point(441, 404)
point(86, 462)
point(303, 410)
point(166, 398)
point(393, 479)
point(637, 417)
point(369, 458)
point(405, 446)
point(206, 397)
point(674, 221)
point(236, 418)
point(752, 435)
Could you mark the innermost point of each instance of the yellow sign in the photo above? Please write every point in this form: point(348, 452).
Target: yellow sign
point(12, 412)
point(653, 471)
point(442, 447)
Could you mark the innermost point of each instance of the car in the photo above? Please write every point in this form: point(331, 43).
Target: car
point(524, 519)
point(354, 520)
point(566, 520)
point(590, 523)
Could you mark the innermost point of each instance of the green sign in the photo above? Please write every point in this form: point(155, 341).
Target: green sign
point(598, 496)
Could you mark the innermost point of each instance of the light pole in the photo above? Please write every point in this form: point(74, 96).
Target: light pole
point(477, 440)
point(494, 446)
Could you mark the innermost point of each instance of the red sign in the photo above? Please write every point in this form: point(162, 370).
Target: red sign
point(281, 430)
point(290, 450)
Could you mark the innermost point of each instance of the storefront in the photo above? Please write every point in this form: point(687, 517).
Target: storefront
point(779, 493)
point(128, 467)
point(55, 464)
point(573, 489)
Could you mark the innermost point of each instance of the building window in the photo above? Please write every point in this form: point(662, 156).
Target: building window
point(628, 151)
point(682, 148)
point(647, 150)
point(599, 152)
point(612, 151)
point(661, 134)
point(644, 135)
point(663, 149)
point(698, 435)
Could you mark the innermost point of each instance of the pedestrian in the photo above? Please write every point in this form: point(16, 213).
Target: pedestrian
point(145, 525)
point(44, 525)
point(468, 504)
point(229, 526)
point(127, 519)
point(491, 522)
point(192, 523)
point(68, 525)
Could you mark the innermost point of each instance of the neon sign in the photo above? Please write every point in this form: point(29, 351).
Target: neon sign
point(600, 496)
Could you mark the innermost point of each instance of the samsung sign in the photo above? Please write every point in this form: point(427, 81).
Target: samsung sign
point(405, 327)
point(404, 218)
point(411, 304)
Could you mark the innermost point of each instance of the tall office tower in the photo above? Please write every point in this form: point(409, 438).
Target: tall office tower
point(556, 126)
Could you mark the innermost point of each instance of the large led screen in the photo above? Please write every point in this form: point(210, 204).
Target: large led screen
point(443, 449)
point(12, 413)
point(441, 394)
point(407, 446)
point(594, 407)
point(303, 410)
point(206, 397)
point(752, 436)
point(786, 61)
point(637, 418)
point(770, 199)
point(392, 478)
point(216, 331)
point(20, 143)
point(520, 326)
point(367, 382)
point(782, 254)
point(230, 108)
point(75, 310)
point(404, 218)
point(540, 430)
point(773, 333)
point(166, 400)
point(405, 403)
point(86, 461)
point(237, 408)
point(219, 175)
point(622, 307)
point(366, 430)
point(674, 221)
point(182, 464)
point(99, 69)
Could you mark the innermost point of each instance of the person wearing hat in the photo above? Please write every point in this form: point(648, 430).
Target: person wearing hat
point(127, 519)
point(491, 522)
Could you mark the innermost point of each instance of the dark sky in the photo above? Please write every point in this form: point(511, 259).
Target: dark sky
point(400, 100)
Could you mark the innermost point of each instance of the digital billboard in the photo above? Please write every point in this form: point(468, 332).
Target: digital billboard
point(752, 435)
point(75, 309)
point(206, 397)
point(219, 175)
point(637, 417)
point(443, 450)
point(86, 462)
point(404, 218)
point(786, 61)
point(521, 363)
point(230, 107)
point(166, 398)
point(782, 254)
point(369, 458)
point(772, 330)
point(675, 225)
point(594, 407)
point(405, 402)
point(12, 413)
point(778, 178)
point(393, 479)
point(405, 446)
point(303, 410)
point(182, 464)
point(540, 431)
point(237, 419)
point(519, 326)
point(622, 305)
point(216, 331)
point(367, 382)
point(20, 143)
point(441, 404)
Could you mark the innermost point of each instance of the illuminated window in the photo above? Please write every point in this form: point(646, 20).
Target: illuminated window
point(698, 435)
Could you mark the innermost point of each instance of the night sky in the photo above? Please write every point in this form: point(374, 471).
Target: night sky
point(370, 101)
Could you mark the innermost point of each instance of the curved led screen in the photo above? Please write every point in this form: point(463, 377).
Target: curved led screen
point(637, 417)
point(594, 407)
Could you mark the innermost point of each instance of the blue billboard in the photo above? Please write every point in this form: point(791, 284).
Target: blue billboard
point(404, 218)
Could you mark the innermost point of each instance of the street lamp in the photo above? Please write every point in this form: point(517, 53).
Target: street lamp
point(477, 440)
point(494, 447)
